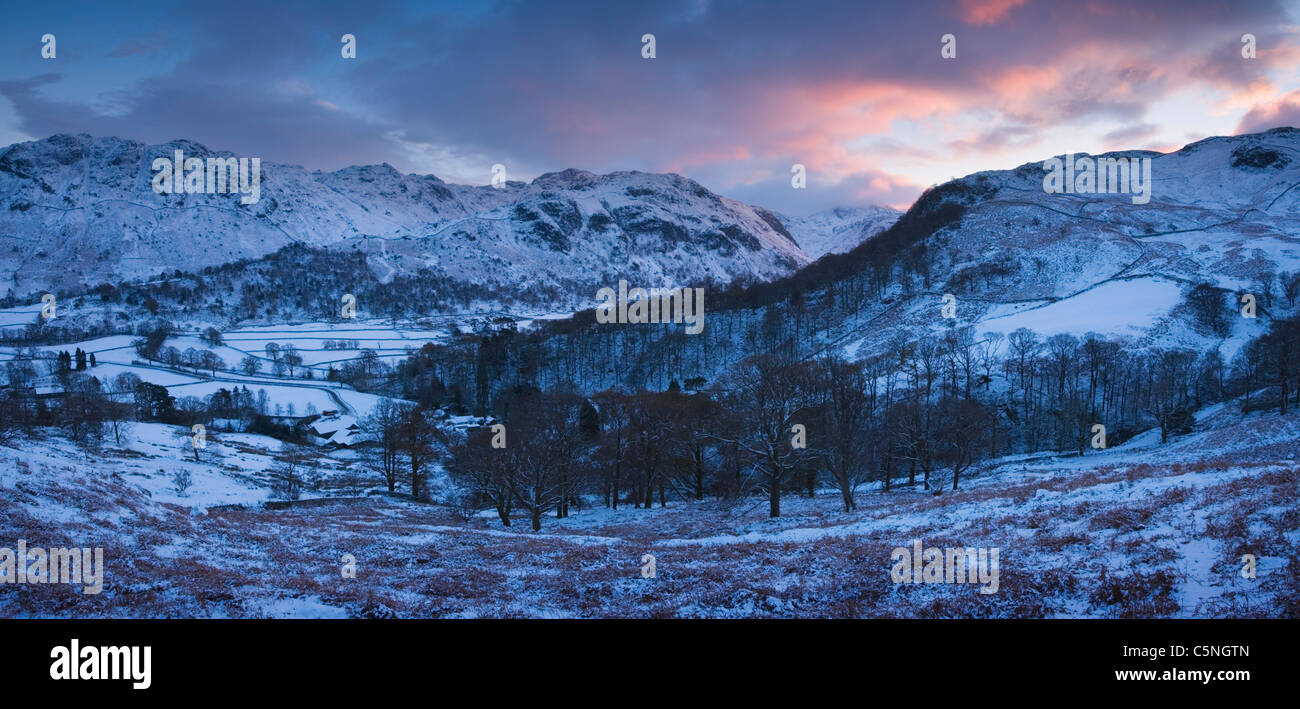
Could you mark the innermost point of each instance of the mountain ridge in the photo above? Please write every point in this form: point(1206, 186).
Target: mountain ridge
point(92, 200)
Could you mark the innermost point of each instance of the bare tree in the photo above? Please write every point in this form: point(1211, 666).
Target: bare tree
point(963, 427)
point(210, 361)
point(291, 358)
point(85, 409)
point(291, 473)
point(417, 441)
point(120, 404)
point(386, 422)
point(1169, 402)
point(774, 395)
point(697, 418)
point(1291, 287)
point(615, 419)
point(650, 431)
point(487, 472)
point(181, 480)
point(202, 447)
point(544, 441)
point(844, 423)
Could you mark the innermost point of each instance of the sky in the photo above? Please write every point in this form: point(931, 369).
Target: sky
point(737, 93)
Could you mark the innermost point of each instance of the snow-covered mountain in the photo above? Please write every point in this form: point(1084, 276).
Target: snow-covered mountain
point(1223, 209)
point(835, 231)
point(1223, 212)
point(78, 211)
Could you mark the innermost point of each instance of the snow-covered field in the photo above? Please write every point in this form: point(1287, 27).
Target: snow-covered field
point(115, 355)
point(1140, 530)
point(1114, 308)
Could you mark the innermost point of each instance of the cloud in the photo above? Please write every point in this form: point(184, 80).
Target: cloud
point(824, 191)
point(290, 128)
point(986, 12)
point(857, 92)
point(1285, 111)
point(144, 45)
point(1125, 137)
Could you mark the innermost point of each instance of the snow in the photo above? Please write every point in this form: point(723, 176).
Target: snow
point(562, 229)
point(712, 560)
point(836, 231)
point(1072, 265)
point(1115, 308)
point(116, 355)
point(302, 607)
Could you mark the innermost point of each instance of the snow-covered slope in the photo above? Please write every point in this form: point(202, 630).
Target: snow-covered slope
point(1128, 532)
point(77, 211)
point(835, 231)
point(1223, 211)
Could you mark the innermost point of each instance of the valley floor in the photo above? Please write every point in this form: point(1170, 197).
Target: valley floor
point(1140, 530)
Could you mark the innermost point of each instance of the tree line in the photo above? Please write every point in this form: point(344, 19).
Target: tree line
point(921, 415)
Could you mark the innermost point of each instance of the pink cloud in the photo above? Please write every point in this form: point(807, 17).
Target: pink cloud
point(1284, 111)
point(986, 12)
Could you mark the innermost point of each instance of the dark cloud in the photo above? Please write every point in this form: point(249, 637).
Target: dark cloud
point(739, 87)
point(214, 115)
point(143, 45)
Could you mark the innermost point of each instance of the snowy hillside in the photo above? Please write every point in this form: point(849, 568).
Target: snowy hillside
point(1129, 532)
point(78, 211)
point(836, 231)
point(1224, 212)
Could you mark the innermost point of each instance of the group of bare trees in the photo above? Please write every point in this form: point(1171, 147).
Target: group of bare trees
point(406, 443)
point(1272, 364)
point(537, 460)
point(37, 392)
point(923, 413)
point(87, 410)
point(777, 427)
